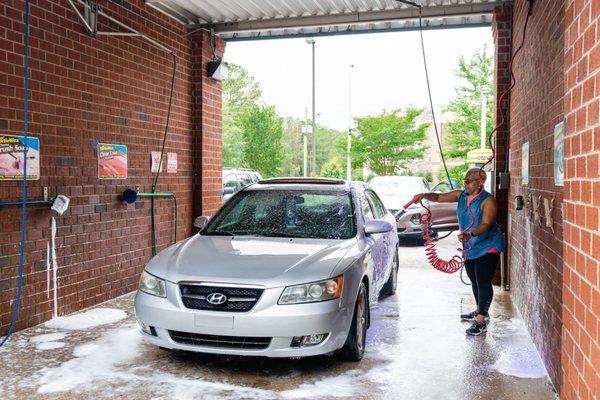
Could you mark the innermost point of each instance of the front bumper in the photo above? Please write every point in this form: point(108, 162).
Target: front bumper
point(267, 319)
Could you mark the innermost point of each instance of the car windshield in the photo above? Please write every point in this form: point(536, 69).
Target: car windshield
point(286, 213)
point(396, 187)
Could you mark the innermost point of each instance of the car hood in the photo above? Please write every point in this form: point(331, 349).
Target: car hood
point(395, 202)
point(268, 262)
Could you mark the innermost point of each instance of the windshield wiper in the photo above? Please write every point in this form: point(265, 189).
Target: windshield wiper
point(270, 234)
point(220, 233)
point(284, 235)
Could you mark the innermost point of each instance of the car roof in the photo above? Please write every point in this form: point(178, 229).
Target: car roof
point(299, 183)
point(396, 178)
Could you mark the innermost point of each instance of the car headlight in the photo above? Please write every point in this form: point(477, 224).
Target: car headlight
point(152, 285)
point(416, 219)
point(312, 292)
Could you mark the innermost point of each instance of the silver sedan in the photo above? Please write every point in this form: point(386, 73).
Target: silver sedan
point(288, 267)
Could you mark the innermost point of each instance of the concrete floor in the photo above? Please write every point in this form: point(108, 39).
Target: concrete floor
point(416, 349)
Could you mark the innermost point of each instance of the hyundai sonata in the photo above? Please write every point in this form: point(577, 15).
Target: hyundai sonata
point(288, 267)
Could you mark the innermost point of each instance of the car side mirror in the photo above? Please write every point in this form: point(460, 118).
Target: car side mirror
point(228, 190)
point(200, 222)
point(378, 226)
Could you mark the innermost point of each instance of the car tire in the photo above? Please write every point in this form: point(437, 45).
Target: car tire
point(354, 348)
point(389, 289)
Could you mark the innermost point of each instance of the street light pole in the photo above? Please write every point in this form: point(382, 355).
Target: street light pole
point(314, 131)
point(348, 165)
point(484, 96)
point(305, 144)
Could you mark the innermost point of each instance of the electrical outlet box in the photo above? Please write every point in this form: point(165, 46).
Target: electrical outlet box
point(503, 180)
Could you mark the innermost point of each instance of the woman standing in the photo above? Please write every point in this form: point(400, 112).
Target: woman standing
point(477, 210)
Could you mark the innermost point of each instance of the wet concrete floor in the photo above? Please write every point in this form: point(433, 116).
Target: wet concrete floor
point(416, 349)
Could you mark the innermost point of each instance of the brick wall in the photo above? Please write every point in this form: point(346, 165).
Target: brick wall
point(581, 277)
point(536, 106)
point(112, 90)
point(502, 31)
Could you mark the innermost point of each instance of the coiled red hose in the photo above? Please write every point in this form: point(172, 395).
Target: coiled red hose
point(447, 266)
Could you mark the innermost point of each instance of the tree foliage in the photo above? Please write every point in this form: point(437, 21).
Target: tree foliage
point(457, 173)
point(240, 92)
point(262, 134)
point(464, 130)
point(388, 142)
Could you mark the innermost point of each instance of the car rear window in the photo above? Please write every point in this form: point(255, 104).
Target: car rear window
point(286, 213)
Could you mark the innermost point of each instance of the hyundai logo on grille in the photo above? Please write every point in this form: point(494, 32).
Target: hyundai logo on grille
point(216, 299)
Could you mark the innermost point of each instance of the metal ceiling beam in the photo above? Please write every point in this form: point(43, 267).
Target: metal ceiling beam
point(342, 32)
point(351, 18)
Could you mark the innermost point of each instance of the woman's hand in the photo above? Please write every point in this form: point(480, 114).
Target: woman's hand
point(418, 197)
point(464, 237)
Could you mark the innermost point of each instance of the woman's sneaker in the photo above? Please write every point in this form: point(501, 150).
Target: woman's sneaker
point(471, 316)
point(477, 328)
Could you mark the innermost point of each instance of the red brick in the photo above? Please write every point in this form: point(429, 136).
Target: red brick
point(123, 76)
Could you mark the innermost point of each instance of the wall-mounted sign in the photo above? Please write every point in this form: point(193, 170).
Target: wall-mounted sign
point(155, 155)
point(525, 163)
point(559, 163)
point(172, 163)
point(12, 160)
point(112, 161)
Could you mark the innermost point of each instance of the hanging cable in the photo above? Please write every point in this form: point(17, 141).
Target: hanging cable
point(162, 151)
point(506, 92)
point(15, 314)
point(437, 134)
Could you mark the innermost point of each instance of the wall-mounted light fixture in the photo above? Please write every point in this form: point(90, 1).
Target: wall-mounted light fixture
point(216, 67)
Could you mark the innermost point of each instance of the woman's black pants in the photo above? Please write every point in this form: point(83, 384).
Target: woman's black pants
point(481, 272)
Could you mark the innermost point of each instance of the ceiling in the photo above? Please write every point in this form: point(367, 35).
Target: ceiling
point(268, 19)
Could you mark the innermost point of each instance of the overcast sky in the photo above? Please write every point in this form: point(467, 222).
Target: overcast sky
point(388, 71)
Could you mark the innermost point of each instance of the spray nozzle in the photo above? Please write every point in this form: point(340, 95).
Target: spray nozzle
point(60, 204)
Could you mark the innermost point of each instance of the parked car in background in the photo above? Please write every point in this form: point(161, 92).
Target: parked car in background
point(396, 191)
point(236, 179)
point(287, 268)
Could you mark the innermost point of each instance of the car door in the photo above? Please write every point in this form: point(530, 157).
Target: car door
point(389, 238)
point(443, 215)
point(377, 241)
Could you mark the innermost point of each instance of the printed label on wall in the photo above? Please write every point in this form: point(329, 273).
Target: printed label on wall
point(155, 155)
point(12, 159)
point(559, 163)
point(112, 161)
point(172, 163)
point(525, 164)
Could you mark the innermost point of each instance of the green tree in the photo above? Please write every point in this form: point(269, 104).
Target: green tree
point(334, 168)
point(464, 130)
point(293, 160)
point(388, 142)
point(457, 173)
point(262, 133)
point(240, 92)
point(331, 147)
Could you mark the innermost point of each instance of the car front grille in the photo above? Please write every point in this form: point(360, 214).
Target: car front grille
point(197, 297)
point(228, 342)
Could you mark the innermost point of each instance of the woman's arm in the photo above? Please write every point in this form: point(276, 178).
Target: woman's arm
point(490, 211)
point(448, 197)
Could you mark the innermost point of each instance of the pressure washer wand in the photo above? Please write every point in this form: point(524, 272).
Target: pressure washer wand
point(404, 209)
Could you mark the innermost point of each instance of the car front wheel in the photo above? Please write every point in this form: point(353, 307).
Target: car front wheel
point(391, 285)
point(354, 348)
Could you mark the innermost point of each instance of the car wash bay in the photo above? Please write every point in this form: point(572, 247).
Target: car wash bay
point(98, 100)
point(416, 348)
